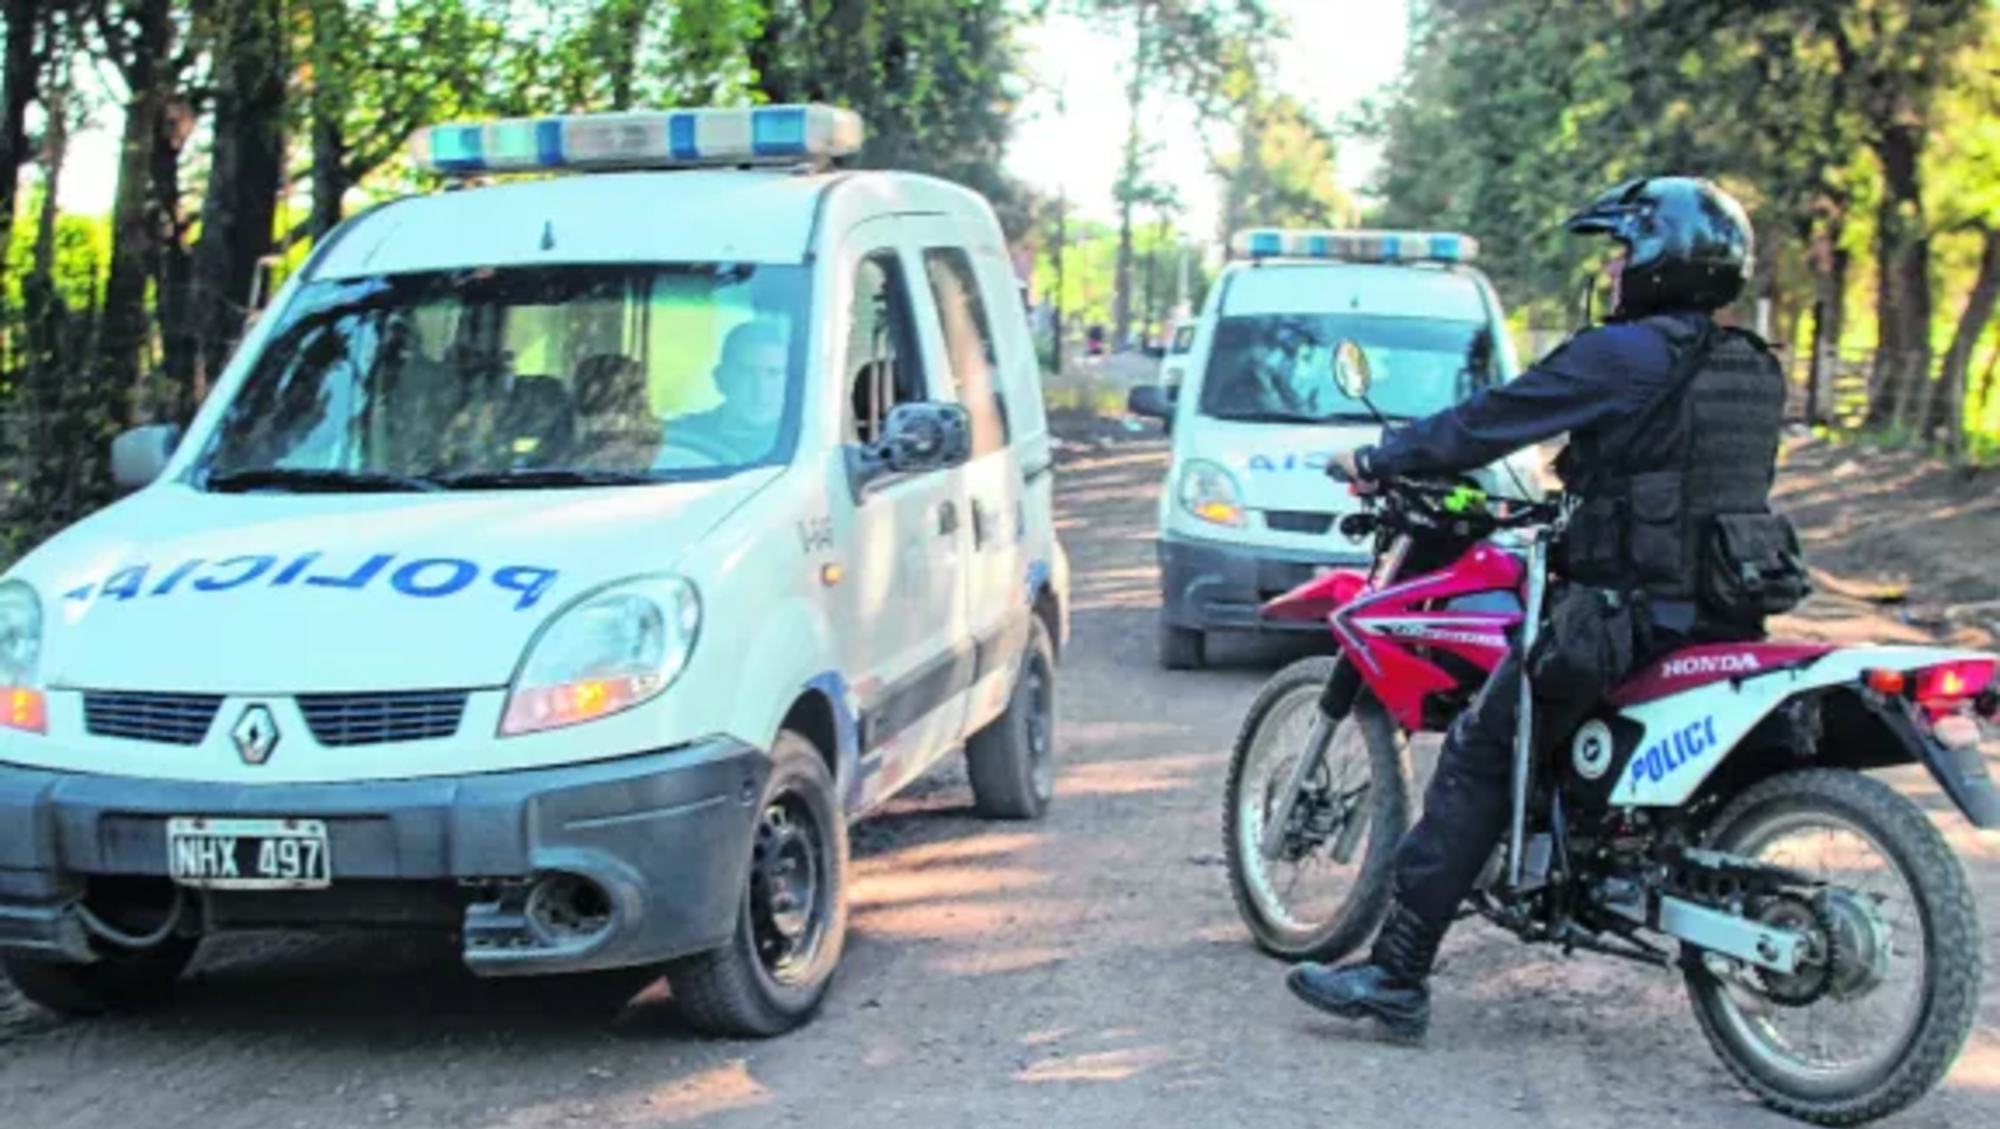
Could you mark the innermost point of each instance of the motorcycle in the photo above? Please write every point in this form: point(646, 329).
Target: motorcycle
point(1715, 814)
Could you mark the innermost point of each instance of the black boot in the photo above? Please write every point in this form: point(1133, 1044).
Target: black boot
point(1389, 988)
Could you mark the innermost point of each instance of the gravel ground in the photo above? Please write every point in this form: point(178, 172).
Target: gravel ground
point(1087, 971)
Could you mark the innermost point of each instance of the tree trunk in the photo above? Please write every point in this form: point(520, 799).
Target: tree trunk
point(628, 25)
point(19, 83)
point(765, 53)
point(1903, 358)
point(170, 285)
point(48, 315)
point(1972, 322)
point(1056, 310)
point(136, 232)
point(329, 105)
point(246, 171)
point(1135, 94)
point(1983, 400)
point(1829, 311)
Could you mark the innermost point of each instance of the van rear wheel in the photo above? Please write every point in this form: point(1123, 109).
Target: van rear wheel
point(1011, 762)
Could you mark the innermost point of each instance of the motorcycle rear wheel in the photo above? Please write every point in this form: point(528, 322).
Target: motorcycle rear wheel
point(1249, 797)
point(1945, 1002)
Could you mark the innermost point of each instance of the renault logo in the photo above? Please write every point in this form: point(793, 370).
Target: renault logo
point(256, 735)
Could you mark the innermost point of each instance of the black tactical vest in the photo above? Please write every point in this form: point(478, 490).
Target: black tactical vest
point(1649, 489)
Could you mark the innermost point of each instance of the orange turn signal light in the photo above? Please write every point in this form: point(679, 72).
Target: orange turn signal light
point(1890, 682)
point(26, 710)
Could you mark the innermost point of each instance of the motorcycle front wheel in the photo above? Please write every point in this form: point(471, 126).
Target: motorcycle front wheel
point(1890, 991)
point(1323, 890)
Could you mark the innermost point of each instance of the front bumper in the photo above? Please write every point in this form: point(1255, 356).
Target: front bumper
point(666, 838)
point(1213, 585)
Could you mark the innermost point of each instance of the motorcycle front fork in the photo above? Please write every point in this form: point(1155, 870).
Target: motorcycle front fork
point(1335, 702)
point(1524, 722)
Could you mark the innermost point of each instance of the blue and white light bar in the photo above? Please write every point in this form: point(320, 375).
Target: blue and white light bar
point(658, 139)
point(1355, 246)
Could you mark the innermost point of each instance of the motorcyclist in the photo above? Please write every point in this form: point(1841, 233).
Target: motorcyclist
point(1672, 421)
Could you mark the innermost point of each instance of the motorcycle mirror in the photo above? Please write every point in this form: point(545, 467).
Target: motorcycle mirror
point(1350, 369)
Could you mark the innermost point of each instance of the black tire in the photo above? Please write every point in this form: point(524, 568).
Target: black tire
point(1953, 964)
point(1012, 761)
point(1182, 648)
point(124, 979)
point(728, 991)
point(1388, 812)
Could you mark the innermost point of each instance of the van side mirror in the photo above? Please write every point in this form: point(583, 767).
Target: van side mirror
point(916, 438)
point(139, 455)
point(1152, 401)
point(1351, 370)
point(925, 437)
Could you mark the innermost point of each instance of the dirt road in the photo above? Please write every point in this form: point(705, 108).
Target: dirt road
point(1088, 971)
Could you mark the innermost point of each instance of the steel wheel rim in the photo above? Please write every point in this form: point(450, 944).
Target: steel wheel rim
point(1346, 766)
point(1041, 729)
point(1751, 1022)
point(790, 890)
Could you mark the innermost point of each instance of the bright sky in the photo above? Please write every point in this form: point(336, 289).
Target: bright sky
point(1337, 52)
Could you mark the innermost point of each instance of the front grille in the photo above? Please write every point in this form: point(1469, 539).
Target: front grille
point(377, 719)
point(167, 719)
point(1298, 521)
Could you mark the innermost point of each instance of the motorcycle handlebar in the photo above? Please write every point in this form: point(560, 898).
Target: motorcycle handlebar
point(1424, 489)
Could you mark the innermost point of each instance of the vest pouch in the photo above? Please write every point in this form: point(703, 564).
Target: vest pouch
point(1591, 549)
point(1589, 640)
point(1656, 537)
point(1752, 567)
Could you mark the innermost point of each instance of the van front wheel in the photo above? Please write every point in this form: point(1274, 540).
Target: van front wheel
point(1182, 648)
point(774, 973)
point(121, 979)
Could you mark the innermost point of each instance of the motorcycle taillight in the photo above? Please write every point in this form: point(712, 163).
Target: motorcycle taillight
point(1954, 682)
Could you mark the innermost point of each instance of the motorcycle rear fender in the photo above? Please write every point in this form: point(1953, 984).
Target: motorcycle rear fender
point(1689, 737)
point(1319, 597)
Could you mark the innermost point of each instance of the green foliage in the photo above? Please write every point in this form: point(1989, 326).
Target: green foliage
point(1282, 172)
point(82, 250)
point(1830, 119)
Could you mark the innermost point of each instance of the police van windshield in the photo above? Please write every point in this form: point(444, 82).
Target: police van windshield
point(1278, 368)
point(497, 377)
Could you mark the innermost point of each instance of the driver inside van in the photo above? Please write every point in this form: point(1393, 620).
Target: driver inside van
point(751, 376)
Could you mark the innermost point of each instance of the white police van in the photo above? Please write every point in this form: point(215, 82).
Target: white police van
point(1247, 512)
point(561, 564)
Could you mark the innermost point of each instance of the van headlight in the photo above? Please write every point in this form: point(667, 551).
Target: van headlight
point(609, 653)
point(1209, 492)
point(22, 703)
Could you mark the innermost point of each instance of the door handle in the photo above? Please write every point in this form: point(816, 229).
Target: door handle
point(947, 513)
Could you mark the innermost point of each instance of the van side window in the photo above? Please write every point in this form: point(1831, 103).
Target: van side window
point(882, 366)
point(974, 363)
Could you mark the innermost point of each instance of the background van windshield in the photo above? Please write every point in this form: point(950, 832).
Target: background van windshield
point(656, 372)
point(1279, 367)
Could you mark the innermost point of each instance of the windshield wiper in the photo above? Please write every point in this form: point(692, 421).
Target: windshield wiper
point(1292, 417)
point(546, 476)
point(319, 481)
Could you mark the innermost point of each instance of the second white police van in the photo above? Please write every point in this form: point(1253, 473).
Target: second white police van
point(1247, 512)
point(560, 564)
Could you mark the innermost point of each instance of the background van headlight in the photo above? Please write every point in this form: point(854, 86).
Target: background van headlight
point(22, 704)
point(609, 653)
point(1209, 492)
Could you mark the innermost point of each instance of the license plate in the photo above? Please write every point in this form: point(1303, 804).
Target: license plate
point(249, 854)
